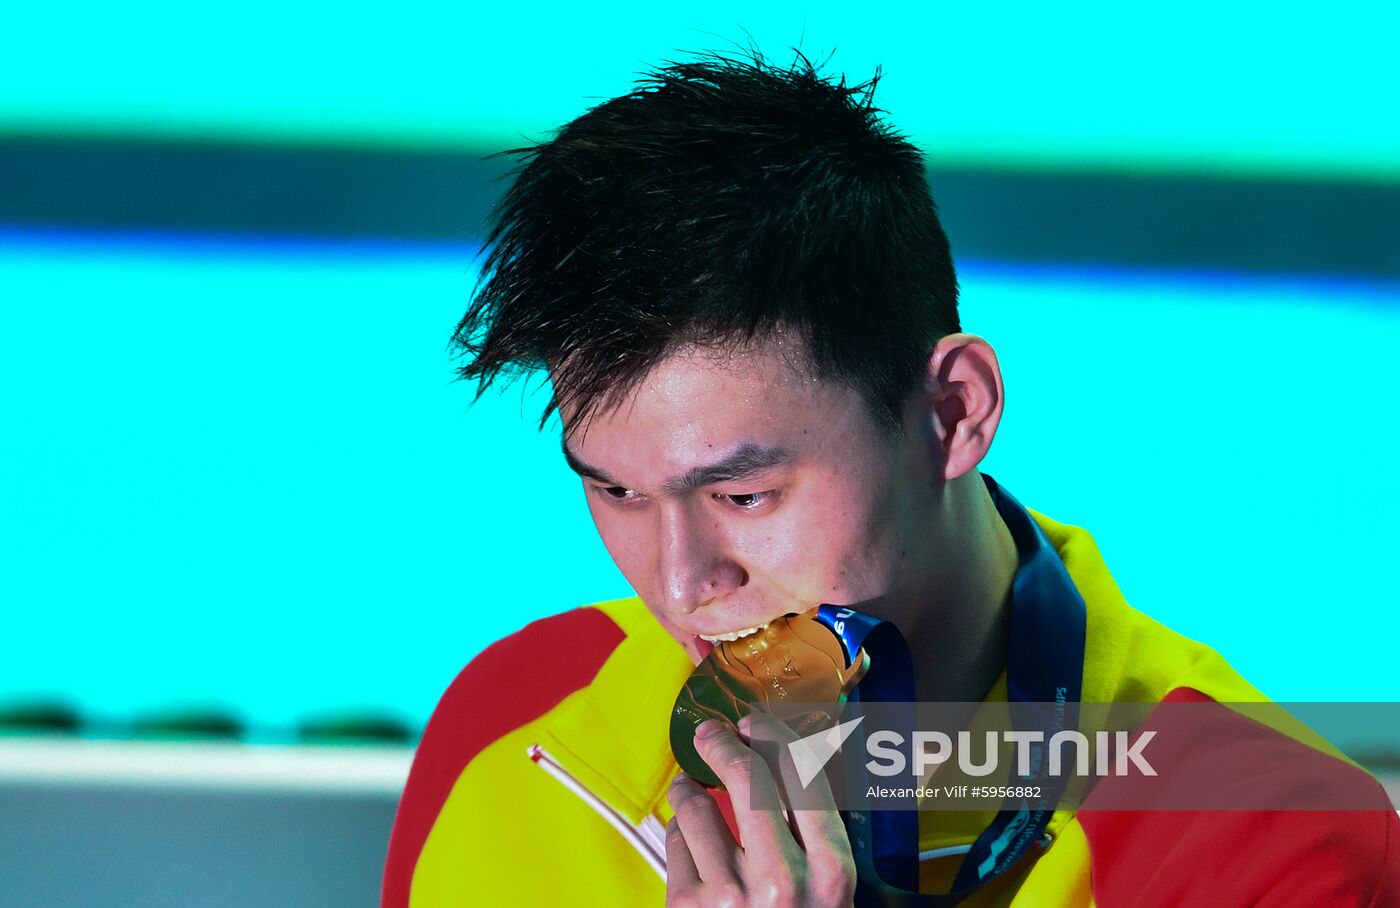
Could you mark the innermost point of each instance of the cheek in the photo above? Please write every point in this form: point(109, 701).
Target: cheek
point(627, 542)
point(847, 545)
point(800, 551)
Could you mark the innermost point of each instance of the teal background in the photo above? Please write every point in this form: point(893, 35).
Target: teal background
point(253, 482)
point(1244, 86)
point(235, 472)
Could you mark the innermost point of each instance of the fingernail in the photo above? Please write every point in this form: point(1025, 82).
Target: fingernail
point(680, 777)
point(744, 726)
point(709, 728)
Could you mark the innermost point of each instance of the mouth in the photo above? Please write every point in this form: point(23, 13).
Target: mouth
point(705, 643)
point(731, 636)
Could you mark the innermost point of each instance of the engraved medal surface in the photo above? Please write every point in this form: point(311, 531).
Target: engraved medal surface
point(794, 659)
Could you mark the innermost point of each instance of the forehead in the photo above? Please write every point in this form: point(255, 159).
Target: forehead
point(699, 402)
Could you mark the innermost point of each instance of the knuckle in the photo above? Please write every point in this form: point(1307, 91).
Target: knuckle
point(836, 887)
point(779, 891)
point(738, 767)
point(690, 810)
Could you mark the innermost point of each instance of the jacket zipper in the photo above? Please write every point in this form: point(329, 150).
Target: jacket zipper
point(647, 837)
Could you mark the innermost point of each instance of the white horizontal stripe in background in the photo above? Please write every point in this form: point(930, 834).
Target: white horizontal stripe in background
point(357, 770)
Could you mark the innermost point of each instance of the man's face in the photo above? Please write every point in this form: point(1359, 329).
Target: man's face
point(731, 489)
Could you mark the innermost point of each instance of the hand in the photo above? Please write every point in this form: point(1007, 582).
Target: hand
point(807, 864)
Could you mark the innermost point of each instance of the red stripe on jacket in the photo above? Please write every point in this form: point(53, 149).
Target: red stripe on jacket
point(503, 688)
point(1240, 857)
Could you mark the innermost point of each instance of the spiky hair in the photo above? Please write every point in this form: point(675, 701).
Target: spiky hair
point(722, 199)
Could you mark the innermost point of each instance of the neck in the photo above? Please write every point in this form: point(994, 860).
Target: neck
point(958, 634)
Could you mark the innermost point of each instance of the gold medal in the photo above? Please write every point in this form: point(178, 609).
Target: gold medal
point(795, 659)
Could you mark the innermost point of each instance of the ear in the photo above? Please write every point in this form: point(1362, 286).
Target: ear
point(963, 399)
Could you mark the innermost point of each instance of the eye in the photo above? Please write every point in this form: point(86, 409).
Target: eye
point(616, 493)
point(746, 501)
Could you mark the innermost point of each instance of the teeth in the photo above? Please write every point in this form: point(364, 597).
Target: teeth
point(734, 635)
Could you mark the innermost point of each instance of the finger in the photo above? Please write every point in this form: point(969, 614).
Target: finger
point(746, 776)
point(681, 874)
point(712, 850)
point(816, 822)
point(754, 743)
point(813, 804)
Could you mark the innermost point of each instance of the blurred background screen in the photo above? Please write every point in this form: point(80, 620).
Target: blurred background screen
point(242, 501)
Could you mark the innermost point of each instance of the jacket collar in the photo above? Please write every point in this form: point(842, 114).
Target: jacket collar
point(614, 734)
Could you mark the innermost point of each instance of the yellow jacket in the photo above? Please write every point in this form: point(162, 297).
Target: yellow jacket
point(541, 780)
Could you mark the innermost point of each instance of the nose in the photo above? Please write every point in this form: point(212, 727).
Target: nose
point(695, 567)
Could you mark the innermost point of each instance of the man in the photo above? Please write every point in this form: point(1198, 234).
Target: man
point(737, 284)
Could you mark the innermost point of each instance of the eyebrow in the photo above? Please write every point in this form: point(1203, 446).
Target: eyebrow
point(748, 460)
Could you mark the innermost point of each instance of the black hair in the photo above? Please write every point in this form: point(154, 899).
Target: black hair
point(724, 198)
